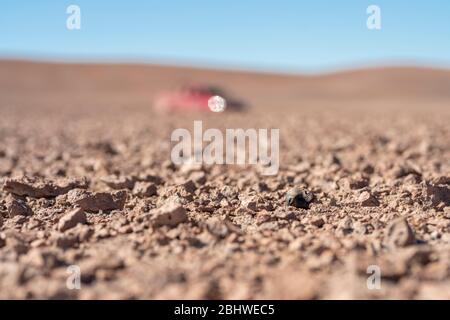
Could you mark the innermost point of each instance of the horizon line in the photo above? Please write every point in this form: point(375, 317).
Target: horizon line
point(224, 66)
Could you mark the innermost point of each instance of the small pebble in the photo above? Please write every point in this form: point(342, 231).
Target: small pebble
point(299, 198)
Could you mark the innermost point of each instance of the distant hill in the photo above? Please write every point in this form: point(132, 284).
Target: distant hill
point(24, 77)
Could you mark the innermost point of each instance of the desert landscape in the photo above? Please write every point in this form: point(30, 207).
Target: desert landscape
point(87, 181)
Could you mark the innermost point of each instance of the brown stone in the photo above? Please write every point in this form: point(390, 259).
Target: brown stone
point(17, 207)
point(170, 214)
point(71, 219)
point(95, 202)
point(145, 189)
point(368, 200)
point(40, 188)
point(119, 183)
point(399, 234)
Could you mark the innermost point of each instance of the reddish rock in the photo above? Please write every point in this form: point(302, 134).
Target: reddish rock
point(40, 188)
point(100, 201)
point(145, 189)
point(170, 214)
point(119, 183)
point(399, 234)
point(366, 199)
point(71, 219)
point(17, 207)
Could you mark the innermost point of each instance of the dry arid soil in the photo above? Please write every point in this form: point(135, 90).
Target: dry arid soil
point(87, 183)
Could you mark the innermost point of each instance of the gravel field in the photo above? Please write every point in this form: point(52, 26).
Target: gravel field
point(87, 183)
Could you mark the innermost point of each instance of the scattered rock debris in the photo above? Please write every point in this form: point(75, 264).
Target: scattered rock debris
point(140, 227)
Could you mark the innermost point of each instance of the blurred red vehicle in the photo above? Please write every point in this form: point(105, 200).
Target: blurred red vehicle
point(192, 98)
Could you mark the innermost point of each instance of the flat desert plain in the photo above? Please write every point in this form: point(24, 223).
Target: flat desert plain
point(91, 206)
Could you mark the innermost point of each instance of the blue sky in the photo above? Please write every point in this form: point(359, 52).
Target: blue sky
point(284, 35)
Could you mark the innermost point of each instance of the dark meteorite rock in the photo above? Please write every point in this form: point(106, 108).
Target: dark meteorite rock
point(299, 198)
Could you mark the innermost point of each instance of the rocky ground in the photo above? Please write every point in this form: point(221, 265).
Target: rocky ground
point(87, 181)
